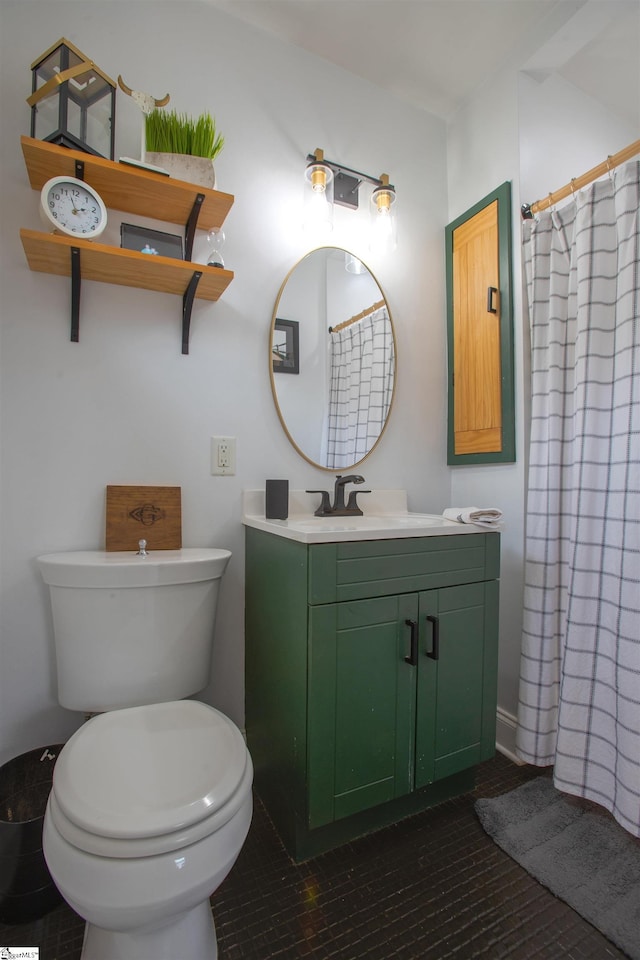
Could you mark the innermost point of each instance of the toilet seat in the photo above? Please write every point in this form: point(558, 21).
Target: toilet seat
point(147, 780)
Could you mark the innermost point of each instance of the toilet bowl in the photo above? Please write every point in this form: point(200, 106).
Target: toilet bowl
point(148, 812)
point(151, 801)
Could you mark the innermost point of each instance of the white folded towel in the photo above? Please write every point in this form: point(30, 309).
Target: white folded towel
point(481, 516)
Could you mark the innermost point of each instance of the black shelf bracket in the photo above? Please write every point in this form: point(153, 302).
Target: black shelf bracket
point(76, 282)
point(192, 222)
point(187, 304)
point(76, 278)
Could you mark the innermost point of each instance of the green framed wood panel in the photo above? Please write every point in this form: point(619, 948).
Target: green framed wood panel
point(507, 453)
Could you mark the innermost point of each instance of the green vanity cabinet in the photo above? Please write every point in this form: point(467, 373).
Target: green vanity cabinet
point(370, 677)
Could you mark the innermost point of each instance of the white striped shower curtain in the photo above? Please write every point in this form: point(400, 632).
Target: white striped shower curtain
point(580, 675)
point(361, 387)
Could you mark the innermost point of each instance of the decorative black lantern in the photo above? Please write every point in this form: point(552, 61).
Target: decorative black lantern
point(73, 102)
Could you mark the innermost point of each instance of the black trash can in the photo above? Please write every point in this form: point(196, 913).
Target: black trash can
point(27, 891)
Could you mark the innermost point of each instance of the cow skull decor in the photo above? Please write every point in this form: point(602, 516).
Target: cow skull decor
point(146, 102)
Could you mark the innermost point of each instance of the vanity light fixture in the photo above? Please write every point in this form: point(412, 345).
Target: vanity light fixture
point(321, 175)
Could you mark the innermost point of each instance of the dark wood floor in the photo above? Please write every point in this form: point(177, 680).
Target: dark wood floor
point(432, 887)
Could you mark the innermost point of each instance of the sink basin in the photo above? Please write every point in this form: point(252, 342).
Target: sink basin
point(310, 529)
point(368, 522)
point(386, 518)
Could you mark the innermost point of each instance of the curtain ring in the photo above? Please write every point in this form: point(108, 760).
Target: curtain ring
point(610, 169)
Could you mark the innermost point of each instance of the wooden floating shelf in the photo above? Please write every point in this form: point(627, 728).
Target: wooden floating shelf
point(132, 190)
point(49, 253)
point(127, 188)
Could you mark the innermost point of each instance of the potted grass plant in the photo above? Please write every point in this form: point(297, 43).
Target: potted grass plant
point(183, 145)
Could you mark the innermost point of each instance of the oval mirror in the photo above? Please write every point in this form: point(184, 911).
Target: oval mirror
point(333, 359)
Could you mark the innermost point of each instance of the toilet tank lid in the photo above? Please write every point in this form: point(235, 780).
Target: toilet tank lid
point(99, 568)
point(147, 771)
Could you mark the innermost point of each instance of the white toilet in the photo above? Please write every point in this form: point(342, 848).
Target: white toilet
point(151, 799)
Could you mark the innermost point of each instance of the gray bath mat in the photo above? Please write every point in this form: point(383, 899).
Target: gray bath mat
point(583, 857)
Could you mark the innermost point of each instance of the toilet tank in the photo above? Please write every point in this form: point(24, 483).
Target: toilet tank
point(131, 630)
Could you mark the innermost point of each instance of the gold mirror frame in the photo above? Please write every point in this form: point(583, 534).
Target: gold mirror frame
point(273, 377)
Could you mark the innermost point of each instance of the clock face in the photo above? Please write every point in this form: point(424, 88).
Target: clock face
point(73, 208)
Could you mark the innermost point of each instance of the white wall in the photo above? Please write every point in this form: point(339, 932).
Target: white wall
point(564, 132)
point(123, 405)
point(538, 134)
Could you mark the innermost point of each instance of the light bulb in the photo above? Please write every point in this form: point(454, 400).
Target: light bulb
point(319, 175)
point(318, 179)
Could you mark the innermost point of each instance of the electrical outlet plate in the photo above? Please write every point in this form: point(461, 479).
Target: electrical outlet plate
point(223, 456)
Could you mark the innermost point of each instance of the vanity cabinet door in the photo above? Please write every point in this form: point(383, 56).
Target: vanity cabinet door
point(457, 670)
point(362, 695)
point(385, 718)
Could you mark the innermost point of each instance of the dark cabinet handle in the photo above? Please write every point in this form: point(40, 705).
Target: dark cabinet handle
point(490, 293)
point(413, 657)
point(435, 648)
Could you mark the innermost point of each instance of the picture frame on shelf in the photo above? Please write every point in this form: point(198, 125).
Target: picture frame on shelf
point(152, 242)
point(285, 346)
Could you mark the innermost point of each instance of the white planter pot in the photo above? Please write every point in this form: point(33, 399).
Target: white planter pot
point(198, 170)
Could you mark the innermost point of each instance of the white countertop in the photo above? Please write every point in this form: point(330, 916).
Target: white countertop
point(386, 517)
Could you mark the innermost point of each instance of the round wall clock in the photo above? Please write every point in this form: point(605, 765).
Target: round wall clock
point(72, 207)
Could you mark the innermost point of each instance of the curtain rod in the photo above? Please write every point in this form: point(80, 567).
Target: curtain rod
point(577, 183)
point(358, 316)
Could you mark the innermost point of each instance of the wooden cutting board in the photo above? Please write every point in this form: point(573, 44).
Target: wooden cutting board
point(153, 514)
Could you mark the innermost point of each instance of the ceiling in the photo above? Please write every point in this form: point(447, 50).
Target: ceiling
point(434, 53)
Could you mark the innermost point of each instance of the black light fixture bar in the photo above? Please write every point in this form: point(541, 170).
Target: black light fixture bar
point(346, 181)
point(339, 168)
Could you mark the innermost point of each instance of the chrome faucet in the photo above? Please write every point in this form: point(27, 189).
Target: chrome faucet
point(339, 509)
